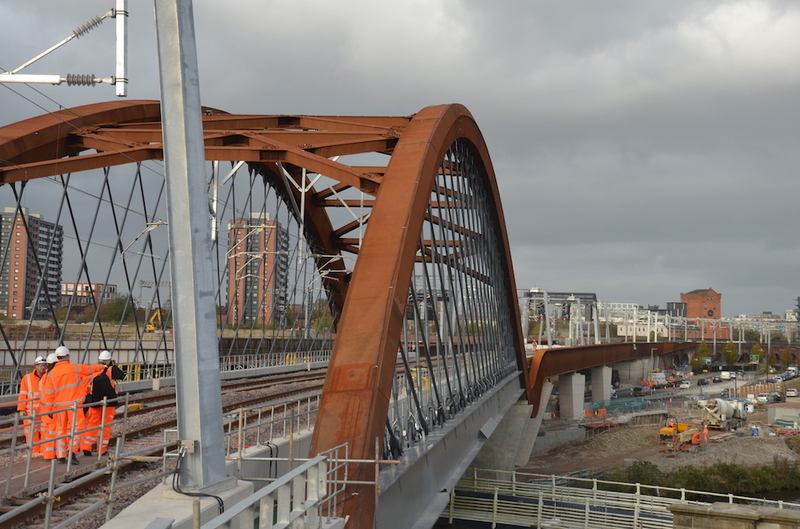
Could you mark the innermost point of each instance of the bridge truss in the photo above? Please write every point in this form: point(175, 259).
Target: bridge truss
point(381, 238)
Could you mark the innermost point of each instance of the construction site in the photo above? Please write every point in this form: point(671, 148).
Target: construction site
point(678, 429)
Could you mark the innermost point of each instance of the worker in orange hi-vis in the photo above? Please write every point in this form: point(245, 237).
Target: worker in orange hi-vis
point(48, 424)
point(63, 388)
point(103, 386)
point(29, 402)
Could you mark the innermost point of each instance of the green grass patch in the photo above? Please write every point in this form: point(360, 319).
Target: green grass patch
point(723, 478)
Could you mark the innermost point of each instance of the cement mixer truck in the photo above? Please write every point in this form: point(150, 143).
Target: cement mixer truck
point(723, 414)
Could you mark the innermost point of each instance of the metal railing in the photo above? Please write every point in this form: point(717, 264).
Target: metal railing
point(566, 501)
point(22, 454)
point(19, 424)
point(253, 361)
point(249, 426)
point(306, 496)
point(263, 422)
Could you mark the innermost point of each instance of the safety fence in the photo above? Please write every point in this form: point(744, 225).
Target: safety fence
point(258, 426)
point(522, 499)
point(42, 438)
point(307, 496)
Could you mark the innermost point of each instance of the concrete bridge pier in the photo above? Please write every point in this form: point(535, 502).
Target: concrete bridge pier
point(571, 390)
point(634, 371)
point(511, 443)
point(601, 383)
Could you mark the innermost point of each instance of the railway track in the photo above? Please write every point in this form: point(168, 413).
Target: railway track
point(165, 399)
point(78, 489)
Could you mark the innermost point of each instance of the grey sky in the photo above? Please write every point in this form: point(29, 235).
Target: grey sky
point(643, 149)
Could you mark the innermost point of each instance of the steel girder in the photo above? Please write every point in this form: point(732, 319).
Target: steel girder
point(371, 301)
point(547, 363)
point(123, 132)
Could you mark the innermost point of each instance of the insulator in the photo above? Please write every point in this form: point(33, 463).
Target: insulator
point(76, 79)
point(93, 23)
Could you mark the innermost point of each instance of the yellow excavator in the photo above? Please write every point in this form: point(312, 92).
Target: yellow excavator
point(155, 322)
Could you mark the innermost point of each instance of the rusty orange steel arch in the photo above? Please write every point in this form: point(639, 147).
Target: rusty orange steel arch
point(373, 299)
point(355, 398)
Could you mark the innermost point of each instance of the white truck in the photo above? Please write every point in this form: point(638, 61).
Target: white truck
point(721, 414)
point(657, 379)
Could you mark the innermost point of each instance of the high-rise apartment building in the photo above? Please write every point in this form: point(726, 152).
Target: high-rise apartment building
point(31, 251)
point(258, 263)
point(86, 294)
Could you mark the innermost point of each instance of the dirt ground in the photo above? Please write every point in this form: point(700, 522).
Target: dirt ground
point(611, 449)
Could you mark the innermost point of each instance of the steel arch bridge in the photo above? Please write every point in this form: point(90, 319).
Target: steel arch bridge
point(383, 236)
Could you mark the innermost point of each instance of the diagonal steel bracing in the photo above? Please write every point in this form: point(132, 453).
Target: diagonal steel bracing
point(377, 241)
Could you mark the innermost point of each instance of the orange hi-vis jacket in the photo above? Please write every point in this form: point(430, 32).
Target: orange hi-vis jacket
point(48, 424)
point(29, 402)
point(29, 398)
point(66, 385)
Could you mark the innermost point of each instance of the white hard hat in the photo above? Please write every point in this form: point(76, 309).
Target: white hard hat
point(39, 360)
point(61, 351)
point(52, 358)
point(104, 355)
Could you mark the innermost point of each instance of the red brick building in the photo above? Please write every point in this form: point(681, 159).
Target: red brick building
point(704, 307)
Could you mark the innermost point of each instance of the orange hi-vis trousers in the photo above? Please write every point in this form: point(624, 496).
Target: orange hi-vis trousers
point(100, 418)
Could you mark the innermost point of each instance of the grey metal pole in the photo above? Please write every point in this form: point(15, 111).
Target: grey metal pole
point(194, 311)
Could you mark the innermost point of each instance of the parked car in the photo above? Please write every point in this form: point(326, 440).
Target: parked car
point(762, 398)
point(685, 385)
point(702, 381)
point(776, 396)
point(791, 392)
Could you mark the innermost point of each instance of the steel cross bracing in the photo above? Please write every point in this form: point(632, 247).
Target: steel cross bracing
point(382, 238)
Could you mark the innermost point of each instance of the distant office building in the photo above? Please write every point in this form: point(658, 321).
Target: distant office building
point(258, 264)
point(86, 294)
point(561, 303)
point(31, 251)
point(676, 309)
point(704, 308)
point(766, 316)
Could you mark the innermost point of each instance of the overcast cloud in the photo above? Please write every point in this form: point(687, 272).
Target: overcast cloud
point(643, 149)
